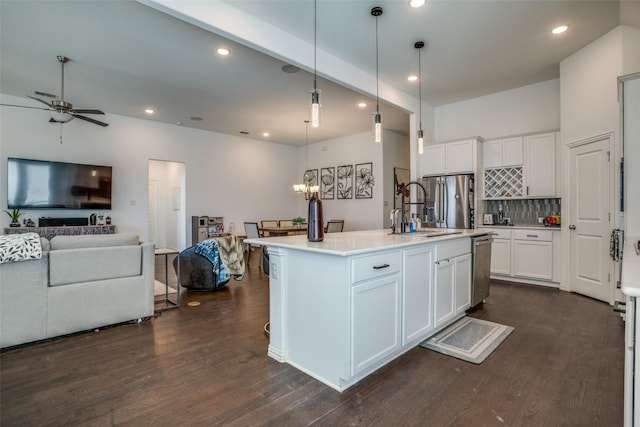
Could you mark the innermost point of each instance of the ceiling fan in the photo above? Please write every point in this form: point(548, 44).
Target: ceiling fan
point(61, 110)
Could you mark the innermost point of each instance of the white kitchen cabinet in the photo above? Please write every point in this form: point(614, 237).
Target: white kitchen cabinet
point(462, 283)
point(433, 160)
point(341, 311)
point(504, 152)
point(375, 321)
point(501, 252)
point(450, 158)
point(533, 254)
point(453, 263)
point(460, 157)
point(540, 165)
point(417, 295)
point(444, 291)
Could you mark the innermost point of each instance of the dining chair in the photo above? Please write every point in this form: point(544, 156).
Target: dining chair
point(285, 223)
point(335, 226)
point(252, 232)
point(268, 223)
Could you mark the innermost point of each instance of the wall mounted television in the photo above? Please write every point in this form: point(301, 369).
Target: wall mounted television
point(39, 184)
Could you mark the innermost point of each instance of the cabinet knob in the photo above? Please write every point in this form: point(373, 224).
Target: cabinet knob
point(572, 227)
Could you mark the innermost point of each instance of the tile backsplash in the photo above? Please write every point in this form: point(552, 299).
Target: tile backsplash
point(524, 211)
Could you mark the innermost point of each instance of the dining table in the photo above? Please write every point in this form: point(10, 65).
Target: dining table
point(284, 230)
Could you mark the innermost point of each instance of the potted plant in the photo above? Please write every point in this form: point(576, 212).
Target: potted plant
point(14, 215)
point(297, 222)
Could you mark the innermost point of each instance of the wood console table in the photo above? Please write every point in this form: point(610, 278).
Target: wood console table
point(50, 232)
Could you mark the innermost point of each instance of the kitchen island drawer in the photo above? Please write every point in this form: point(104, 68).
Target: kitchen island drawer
point(541, 235)
point(377, 265)
point(499, 233)
point(453, 248)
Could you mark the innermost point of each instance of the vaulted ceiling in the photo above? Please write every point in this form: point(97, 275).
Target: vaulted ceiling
point(127, 56)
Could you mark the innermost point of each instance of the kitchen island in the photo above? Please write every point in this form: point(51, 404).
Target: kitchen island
point(344, 307)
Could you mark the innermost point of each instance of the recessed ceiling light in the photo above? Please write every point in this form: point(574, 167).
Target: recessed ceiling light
point(290, 69)
point(244, 132)
point(223, 51)
point(560, 29)
point(149, 111)
point(412, 78)
point(416, 3)
point(362, 104)
point(179, 123)
point(265, 134)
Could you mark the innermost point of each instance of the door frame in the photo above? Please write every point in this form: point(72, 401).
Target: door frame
point(567, 208)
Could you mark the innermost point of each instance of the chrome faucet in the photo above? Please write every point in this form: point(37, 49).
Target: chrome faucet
point(403, 224)
point(394, 220)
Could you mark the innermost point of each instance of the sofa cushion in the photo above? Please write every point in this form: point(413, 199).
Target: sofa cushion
point(90, 264)
point(20, 247)
point(46, 245)
point(93, 241)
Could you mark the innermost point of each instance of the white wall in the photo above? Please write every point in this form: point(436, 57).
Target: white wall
point(589, 105)
point(359, 214)
point(525, 109)
point(238, 178)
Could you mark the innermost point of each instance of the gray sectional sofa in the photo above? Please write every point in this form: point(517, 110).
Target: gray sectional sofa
point(80, 283)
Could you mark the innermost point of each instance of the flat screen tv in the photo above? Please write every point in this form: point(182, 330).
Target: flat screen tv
point(38, 184)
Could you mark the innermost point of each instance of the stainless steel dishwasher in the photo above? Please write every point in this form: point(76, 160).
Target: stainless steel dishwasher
point(481, 249)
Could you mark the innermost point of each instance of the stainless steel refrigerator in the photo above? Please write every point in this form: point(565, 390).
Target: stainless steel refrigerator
point(449, 201)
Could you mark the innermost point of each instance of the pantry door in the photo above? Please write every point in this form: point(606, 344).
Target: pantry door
point(589, 219)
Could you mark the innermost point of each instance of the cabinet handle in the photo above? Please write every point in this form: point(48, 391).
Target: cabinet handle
point(378, 267)
point(532, 235)
point(444, 261)
point(572, 227)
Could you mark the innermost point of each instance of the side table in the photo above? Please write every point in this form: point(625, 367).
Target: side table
point(166, 302)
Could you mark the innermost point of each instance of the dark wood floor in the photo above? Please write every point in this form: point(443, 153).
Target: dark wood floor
point(207, 366)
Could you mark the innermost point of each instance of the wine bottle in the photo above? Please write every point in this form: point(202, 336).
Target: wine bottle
point(315, 227)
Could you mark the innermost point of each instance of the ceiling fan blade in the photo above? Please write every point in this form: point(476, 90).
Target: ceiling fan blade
point(25, 106)
point(39, 100)
point(99, 123)
point(86, 111)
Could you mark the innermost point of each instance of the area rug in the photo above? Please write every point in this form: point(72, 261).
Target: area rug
point(469, 339)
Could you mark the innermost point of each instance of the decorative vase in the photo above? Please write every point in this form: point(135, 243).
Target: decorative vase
point(14, 224)
point(315, 230)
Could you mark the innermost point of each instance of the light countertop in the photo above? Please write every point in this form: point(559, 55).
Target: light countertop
point(521, 227)
point(360, 242)
point(630, 268)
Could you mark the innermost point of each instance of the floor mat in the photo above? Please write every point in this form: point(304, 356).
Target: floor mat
point(469, 339)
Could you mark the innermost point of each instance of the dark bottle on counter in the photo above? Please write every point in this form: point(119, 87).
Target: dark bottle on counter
point(315, 230)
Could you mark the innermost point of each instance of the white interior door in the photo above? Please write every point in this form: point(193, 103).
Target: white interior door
point(589, 195)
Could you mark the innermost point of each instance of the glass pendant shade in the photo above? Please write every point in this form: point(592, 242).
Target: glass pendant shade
point(420, 142)
point(315, 108)
point(377, 127)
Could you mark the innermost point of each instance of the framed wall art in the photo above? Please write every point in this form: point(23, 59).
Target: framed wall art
point(327, 183)
point(344, 182)
point(310, 178)
point(364, 181)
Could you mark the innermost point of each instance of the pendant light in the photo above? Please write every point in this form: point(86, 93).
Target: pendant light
point(377, 119)
point(419, 46)
point(305, 187)
point(315, 93)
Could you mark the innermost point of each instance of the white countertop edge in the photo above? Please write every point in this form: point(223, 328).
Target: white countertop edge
point(630, 268)
point(357, 242)
point(520, 227)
